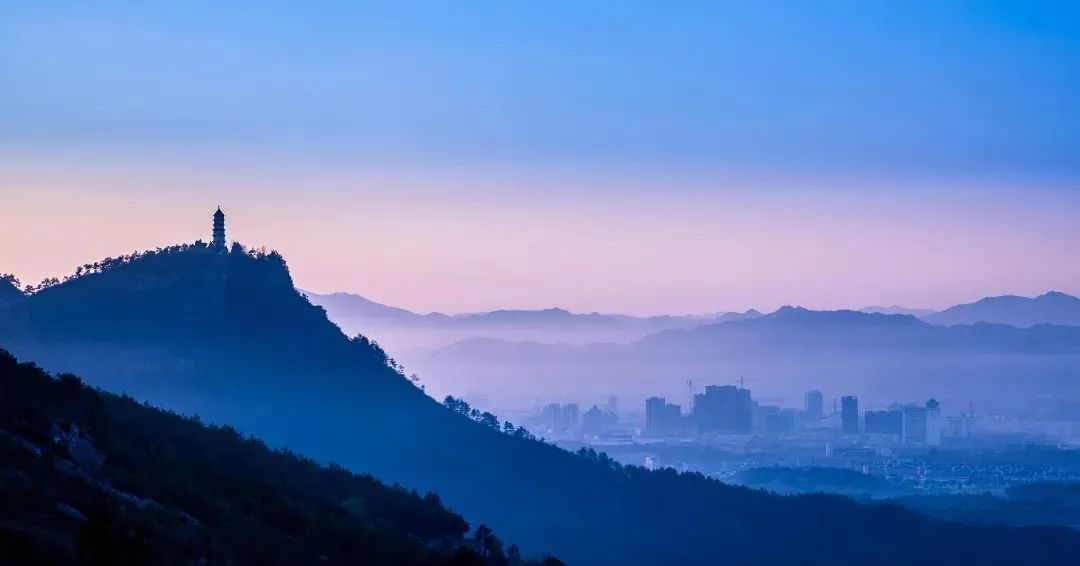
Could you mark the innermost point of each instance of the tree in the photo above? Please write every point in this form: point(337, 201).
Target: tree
point(488, 544)
point(457, 405)
point(488, 419)
point(513, 555)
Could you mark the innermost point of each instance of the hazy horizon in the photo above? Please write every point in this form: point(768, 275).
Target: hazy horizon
point(167, 396)
point(689, 160)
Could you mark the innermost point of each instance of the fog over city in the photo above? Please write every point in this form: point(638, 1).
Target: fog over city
point(539, 283)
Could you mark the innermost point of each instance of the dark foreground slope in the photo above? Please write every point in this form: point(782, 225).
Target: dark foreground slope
point(89, 477)
point(228, 337)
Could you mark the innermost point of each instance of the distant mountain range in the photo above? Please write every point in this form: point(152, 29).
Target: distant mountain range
point(882, 358)
point(897, 309)
point(406, 331)
point(227, 336)
point(1050, 308)
point(513, 357)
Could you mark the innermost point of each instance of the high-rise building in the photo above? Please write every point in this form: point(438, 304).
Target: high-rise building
point(673, 422)
point(960, 427)
point(654, 416)
point(884, 422)
point(724, 408)
point(782, 422)
point(849, 414)
point(923, 425)
point(933, 423)
point(592, 421)
point(218, 241)
point(743, 419)
point(570, 417)
point(914, 430)
point(814, 406)
point(553, 416)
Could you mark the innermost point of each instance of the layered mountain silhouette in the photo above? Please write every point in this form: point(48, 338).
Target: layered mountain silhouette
point(897, 309)
point(1050, 308)
point(883, 358)
point(406, 331)
point(227, 336)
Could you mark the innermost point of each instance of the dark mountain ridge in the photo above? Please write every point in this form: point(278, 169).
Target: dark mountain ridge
point(226, 336)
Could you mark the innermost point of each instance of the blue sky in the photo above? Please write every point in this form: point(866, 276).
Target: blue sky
point(915, 100)
point(949, 88)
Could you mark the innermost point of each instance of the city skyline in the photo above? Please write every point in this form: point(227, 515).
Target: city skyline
point(540, 283)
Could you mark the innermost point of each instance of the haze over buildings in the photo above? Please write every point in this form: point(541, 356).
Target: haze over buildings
point(607, 279)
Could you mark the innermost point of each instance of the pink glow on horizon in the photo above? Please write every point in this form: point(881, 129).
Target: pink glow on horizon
point(459, 244)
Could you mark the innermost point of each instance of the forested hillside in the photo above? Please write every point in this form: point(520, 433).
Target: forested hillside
point(227, 336)
point(90, 477)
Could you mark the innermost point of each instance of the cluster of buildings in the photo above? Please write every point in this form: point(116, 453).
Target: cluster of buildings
point(730, 409)
point(597, 421)
point(914, 425)
point(561, 418)
point(721, 408)
point(566, 420)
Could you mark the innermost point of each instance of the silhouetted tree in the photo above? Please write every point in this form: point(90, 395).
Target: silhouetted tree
point(513, 555)
point(489, 419)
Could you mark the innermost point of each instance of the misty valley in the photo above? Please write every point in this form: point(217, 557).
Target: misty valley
point(204, 408)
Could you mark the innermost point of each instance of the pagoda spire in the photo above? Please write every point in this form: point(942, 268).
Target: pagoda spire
point(218, 242)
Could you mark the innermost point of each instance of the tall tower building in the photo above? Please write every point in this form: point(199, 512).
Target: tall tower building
point(933, 423)
point(814, 406)
point(849, 414)
point(654, 416)
point(218, 242)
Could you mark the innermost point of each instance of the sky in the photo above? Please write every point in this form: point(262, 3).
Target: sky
point(599, 156)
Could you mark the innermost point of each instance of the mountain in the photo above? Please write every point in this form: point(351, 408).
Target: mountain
point(348, 306)
point(9, 292)
point(226, 336)
point(882, 358)
point(89, 477)
point(406, 332)
point(1050, 308)
point(897, 309)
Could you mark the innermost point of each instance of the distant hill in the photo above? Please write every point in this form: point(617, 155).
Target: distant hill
point(89, 477)
point(348, 306)
point(228, 337)
point(897, 309)
point(1050, 308)
point(882, 358)
point(795, 328)
point(406, 331)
